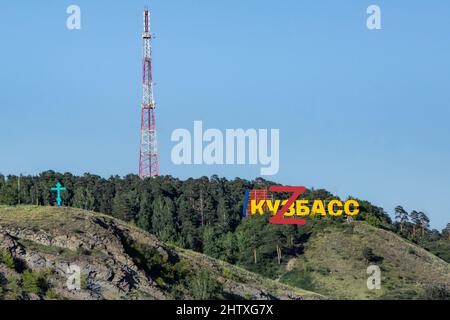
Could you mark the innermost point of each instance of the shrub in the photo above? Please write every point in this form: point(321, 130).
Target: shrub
point(160, 281)
point(205, 287)
point(323, 271)
point(34, 282)
point(12, 290)
point(169, 268)
point(300, 278)
point(373, 220)
point(7, 259)
point(229, 274)
point(180, 270)
point(3, 283)
point(52, 295)
point(370, 256)
point(84, 282)
point(436, 293)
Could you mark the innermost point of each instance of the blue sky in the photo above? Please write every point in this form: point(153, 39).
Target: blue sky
point(360, 112)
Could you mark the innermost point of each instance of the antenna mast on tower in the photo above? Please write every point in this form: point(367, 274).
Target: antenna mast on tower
point(148, 160)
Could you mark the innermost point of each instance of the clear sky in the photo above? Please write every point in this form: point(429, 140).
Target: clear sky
point(360, 112)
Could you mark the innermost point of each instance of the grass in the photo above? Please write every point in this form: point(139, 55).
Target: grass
point(245, 276)
point(33, 246)
point(7, 259)
point(35, 283)
point(336, 264)
point(18, 285)
point(302, 279)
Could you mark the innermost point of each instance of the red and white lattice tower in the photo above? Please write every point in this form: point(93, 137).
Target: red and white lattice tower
point(148, 161)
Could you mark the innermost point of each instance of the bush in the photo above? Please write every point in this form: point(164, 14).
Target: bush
point(205, 287)
point(436, 293)
point(373, 220)
point(169, 269)
point(324, 271)
point(7, 259)
point(34, 282)
point(12, 290)
point(180, 270)
point(160, 281)
point(300, 278)
point(52, 295)
point(229, 274)
point(84, 282)
point(370, 256)
point(3, 283)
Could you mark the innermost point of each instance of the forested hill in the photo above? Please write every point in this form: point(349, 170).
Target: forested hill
point(205, 215)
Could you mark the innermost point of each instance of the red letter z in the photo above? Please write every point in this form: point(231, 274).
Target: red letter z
point(278, 218)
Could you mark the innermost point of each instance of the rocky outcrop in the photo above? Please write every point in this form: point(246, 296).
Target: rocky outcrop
point(109, 271)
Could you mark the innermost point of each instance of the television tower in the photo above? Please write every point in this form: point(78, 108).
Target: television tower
point(148, 160)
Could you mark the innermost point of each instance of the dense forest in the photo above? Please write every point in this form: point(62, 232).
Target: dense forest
point(205, 214)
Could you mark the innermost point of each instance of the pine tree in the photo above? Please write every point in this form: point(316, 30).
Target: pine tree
point(415, 220)
point(424, 222)
point(188, 225)
point(446, 231)
point(402, 216)
point(9, 194)
point(163, 219)
point(210, 242)
point(145, 214)
point(123, 207)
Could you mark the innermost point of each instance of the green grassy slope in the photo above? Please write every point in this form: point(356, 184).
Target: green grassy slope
point(334, 264)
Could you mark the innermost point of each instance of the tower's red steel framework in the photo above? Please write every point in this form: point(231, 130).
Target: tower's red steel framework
point(148, 160)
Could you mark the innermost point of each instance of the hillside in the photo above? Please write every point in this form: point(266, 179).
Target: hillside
point(336, 256)
point(117, 261)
